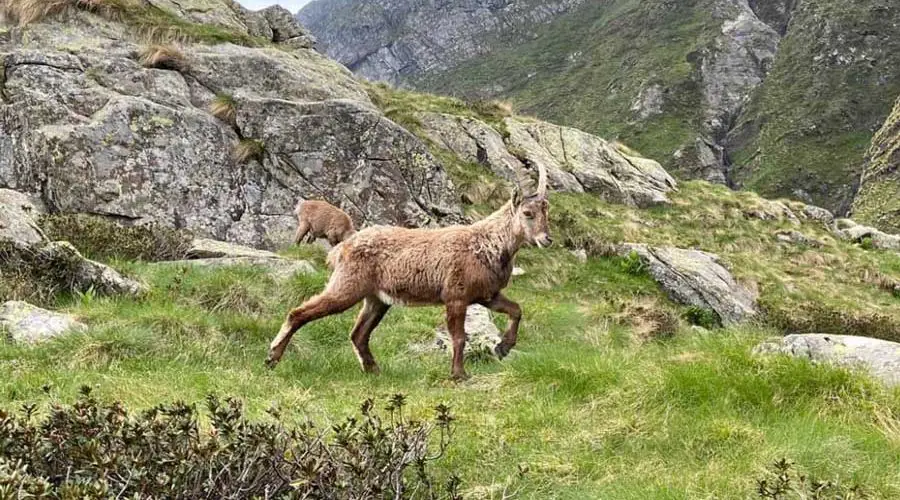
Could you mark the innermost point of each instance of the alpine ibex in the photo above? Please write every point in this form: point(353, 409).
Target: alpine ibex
point(454, 266)
point(319, 219)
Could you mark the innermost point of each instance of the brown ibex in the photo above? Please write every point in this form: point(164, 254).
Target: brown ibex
point(454, 266)
point(319, 219)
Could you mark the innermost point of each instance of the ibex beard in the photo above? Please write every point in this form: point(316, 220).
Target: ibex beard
point(455, 266)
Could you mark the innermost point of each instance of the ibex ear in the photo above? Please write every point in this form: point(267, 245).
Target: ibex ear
point(517, 196)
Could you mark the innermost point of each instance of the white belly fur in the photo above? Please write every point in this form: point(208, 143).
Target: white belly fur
point(387, 299)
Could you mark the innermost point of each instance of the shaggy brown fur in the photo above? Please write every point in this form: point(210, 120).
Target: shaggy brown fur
point(455, 266)
point(318, 219)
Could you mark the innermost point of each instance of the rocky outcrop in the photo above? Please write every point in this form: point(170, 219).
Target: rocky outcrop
point(880, 358)
point(23, 322)
point(575, 161)
point(88, 128)
point(698, 279)
point(878, 200)
point(849, 230)
point(386, 40)
point(22, 245)
point(274, 24)
point(205, 248)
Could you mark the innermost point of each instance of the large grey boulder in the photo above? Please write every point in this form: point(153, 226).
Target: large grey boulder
point(84, 125)
point(580, 162)
point(350, 153)
point(23, 322)
point(880, 358)
point(697, 278)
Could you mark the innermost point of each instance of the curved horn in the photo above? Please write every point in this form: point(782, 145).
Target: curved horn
point(542, 180)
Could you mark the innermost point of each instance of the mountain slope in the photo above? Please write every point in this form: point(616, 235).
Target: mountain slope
point(878, 200)
point(684, 82)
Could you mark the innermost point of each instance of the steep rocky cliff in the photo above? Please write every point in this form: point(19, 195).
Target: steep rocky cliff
point(138, 113)
point(878, 200)
point(781, 96)
point(393, 40)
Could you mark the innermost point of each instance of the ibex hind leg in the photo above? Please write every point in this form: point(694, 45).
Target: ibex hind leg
point(331, 301)
point(369, 317)
point(302, 233)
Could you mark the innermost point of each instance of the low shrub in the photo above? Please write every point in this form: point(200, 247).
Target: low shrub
point(699, 316)
point(782, 481)
point(95, 450)
point(99, 238)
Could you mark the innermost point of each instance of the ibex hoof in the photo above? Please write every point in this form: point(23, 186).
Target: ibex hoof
point(271, 362)
point(502, 350)
point(459, 377)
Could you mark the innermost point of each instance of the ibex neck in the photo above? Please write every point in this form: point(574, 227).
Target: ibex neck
point(500, 229)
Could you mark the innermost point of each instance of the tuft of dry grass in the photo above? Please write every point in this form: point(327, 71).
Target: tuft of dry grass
point(30, 11)
point(224, 108)
point(163, 56)
point(248, 150)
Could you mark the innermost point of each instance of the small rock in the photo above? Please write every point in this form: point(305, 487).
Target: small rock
point(696, 278)
point(24, 322)
point(518, 271)
point(278, 268)
point(797, 238)
point(880, 357)
point(483, 336)
point(581, 255)
point(204, 248)
point(820, 214)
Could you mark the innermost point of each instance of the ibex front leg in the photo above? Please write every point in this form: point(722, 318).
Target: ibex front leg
point(503, 305)
point(456, 325)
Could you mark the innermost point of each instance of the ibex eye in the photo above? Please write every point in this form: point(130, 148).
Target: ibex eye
point(528, 214)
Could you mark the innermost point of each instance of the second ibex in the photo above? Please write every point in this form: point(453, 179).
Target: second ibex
point(454, 266)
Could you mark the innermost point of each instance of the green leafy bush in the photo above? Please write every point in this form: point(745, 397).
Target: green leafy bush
point(99, 238)
point(782, 481)
point(92, 449)
point(707, 318)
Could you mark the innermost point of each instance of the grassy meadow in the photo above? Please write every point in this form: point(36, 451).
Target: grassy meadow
point(611, 392)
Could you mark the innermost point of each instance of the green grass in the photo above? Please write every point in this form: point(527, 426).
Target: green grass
point(589, 408)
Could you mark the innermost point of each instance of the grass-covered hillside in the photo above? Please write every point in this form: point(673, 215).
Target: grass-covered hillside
point(611, 392)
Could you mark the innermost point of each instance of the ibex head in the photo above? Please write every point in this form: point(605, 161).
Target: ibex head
point(532, 217)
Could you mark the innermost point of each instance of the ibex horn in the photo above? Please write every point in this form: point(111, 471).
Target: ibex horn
point(542, 180)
